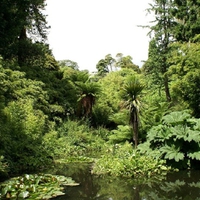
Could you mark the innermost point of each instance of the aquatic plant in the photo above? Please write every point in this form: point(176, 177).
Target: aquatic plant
point(124, 161)
point(35, 186)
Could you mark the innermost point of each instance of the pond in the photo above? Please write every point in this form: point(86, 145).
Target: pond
point(183, 185)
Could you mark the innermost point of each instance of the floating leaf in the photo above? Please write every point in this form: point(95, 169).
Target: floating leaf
point(43, 186)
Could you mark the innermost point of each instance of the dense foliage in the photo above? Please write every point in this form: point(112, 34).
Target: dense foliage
point(51, 110)
point(124, 161)
point(176, 140)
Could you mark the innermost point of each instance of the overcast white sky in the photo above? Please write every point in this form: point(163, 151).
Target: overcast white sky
point(85, 31)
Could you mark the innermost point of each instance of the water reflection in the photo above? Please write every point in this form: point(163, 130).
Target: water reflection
point(183, 185)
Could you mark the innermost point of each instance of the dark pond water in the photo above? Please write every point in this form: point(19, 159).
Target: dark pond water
point(184, 185)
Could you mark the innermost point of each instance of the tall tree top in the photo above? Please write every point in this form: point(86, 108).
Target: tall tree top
point(20, 18)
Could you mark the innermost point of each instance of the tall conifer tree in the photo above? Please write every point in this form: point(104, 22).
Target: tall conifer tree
point(159, 46)
point(18, 19)
point(187, 19)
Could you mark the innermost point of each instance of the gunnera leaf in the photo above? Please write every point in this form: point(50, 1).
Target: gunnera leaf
point(176, 118)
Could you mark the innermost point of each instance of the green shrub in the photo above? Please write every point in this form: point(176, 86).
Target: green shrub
point(100, 115)
point(3, 166)
point(102, 132)
point(75, 139)
point(123, 160)
point(22, 136)
point(177, 140)
point(121, 135)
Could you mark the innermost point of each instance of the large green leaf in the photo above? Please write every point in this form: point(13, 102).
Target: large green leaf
point(194, 155)
point(193, 135)
point(197, 125)
point(180, 132)
point(172, 153)
point(176, 118)
point(159, 133)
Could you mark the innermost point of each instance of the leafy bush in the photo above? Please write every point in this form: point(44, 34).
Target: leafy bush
point(122, 134)
point(75, 139)
point(22, 136)
point(100, 115)
point(3, 166)
point(154, 108)
point(177, 140)
point(185, 75)
point(120, 118)
point(102, 132)
point(123, 160)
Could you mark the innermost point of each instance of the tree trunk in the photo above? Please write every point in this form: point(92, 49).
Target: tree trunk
point(87, 103)
point(166, 79)
point(21, 52)
point(135, 134)
point(135, 123)
point(166, 84)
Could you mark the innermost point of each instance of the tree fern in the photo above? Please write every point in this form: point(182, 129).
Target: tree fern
point(130, 92)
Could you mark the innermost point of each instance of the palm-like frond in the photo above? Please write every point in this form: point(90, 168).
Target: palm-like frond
point(132, 88)
point(79, 76)
point(88, 92)
point(89, 88)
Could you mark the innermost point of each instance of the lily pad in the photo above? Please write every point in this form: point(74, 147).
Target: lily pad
point(35, 186)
